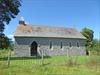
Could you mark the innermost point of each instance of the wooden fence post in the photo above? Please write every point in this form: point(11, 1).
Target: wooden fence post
point(42, 58)
point(8, 61)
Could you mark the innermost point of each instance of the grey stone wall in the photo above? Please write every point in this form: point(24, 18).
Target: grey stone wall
point(23, 45)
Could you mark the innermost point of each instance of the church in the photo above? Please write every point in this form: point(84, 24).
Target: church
point(35, 40)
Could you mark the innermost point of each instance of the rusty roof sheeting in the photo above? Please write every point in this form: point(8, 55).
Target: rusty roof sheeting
point(47, 31)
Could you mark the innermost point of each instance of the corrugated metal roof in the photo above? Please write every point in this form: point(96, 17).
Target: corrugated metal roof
point(47, 31)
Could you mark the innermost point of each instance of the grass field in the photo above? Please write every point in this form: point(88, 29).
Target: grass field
point(55, 65)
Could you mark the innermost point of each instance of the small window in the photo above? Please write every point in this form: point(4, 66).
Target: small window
point(61, 45)
point(77, 44)
point(50, 45)
point(70, 44)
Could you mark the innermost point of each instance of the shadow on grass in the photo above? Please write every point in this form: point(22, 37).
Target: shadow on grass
point(23, 58)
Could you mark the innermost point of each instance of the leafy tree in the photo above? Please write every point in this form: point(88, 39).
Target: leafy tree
point(96, 47)
point(8, 10)
point(88, 33)
point(5, 42)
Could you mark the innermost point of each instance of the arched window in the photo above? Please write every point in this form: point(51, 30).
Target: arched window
point(50, 45)
point(70, 45)
point(77, 44)
point(61, 45)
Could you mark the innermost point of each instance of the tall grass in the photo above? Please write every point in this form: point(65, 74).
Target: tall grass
point(55, 65)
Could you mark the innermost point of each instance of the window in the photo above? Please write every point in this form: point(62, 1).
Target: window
point(77, 44)
point(61, 45)
point(50, 45)
point(70, 44)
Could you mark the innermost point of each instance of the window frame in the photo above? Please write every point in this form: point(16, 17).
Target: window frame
point(50, 45)
point(77, 44)
point(70, 44)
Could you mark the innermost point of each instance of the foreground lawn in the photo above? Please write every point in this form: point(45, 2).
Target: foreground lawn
point(55, 65)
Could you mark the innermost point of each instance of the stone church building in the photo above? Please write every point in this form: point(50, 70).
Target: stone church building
point(34, 40)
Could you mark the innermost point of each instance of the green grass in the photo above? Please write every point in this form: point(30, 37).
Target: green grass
point(55, 65)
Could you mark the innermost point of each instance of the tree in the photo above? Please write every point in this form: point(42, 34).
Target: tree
point(96, 46)
point(8, 10)
point(95, 50)
point(88, 33)
point(5, 42)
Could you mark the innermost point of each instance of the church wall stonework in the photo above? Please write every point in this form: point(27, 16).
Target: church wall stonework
point(69, 46)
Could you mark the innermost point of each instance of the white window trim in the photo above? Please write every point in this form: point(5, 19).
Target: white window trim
point(62, 48)
point(51, 48)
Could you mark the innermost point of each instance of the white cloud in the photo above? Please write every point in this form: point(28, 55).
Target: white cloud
point(11, 37)
point(26, 22)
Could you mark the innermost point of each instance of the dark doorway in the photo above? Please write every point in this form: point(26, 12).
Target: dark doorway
point(87, 52)
point(34, 46)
